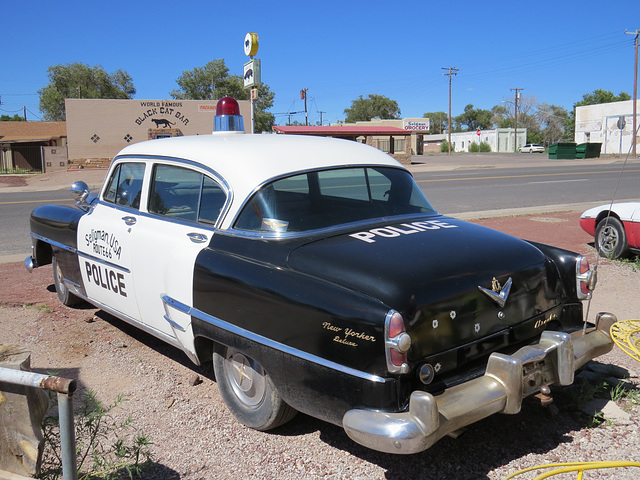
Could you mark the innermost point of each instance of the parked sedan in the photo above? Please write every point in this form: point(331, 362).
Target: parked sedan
point(615, 228)
point(316, 277)
point(531, 148)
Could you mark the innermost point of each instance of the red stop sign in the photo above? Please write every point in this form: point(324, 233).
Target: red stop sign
point(478, 132)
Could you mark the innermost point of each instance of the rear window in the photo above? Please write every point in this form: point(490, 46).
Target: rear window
point(329, 198)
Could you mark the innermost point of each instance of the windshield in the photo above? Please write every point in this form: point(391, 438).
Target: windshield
point(328, 198)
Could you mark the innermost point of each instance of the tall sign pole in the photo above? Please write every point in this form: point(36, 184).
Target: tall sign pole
point(635, 93)
point(252, 71)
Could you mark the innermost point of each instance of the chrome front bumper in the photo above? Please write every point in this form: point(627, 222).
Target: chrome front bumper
point(507, 380)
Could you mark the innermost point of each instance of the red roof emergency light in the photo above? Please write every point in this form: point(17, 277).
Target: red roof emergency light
point(228, 118)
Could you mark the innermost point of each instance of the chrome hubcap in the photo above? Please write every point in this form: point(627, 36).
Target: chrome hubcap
point(246, 378)
point(608, 239)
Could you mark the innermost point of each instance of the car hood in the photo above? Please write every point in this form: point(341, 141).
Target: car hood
point(431, 270)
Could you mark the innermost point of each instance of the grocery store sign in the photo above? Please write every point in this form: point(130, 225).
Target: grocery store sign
point(416, 125)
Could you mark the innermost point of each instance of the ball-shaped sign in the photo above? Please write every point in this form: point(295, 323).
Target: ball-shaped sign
point(251, 44)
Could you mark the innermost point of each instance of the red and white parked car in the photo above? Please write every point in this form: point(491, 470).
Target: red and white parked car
point(615, 228)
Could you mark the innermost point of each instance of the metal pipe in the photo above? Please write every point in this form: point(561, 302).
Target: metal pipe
point(67, 437)
point(64, 387)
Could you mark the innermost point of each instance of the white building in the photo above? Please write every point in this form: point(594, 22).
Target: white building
point(499, 139)
point(601, 124)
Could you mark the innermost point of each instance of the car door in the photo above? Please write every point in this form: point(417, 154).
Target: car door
point(105, 241)
point(182, 209)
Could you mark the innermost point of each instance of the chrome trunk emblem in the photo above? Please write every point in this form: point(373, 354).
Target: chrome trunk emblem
point(498, 293)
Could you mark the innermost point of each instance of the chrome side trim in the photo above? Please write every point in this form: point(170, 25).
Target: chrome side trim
point(181, 307)
point(54, 243)
point(102, 261)
point(228, 327)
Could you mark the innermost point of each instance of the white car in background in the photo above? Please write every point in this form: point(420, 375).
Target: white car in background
point(531, 148)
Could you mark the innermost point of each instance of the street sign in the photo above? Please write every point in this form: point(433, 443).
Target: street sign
point(251, 44)
point(252, 73)
point(478, 132)
point(621, 123)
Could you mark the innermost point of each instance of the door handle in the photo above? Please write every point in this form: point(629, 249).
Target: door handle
point(129, 220)
point(197, 237)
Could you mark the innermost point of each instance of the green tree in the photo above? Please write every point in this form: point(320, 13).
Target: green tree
point(552, 119)
point(77, 80)
point(438, 121)
point(364, 109)
point(472, 119)
point(213, 81)
point(15, 118)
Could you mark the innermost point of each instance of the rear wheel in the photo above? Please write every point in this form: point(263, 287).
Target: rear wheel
point(248, 391)
point(611, 239)
point(64, 295)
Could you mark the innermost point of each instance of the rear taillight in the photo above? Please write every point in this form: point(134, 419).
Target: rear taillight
point(586, 278)
point(397, 343)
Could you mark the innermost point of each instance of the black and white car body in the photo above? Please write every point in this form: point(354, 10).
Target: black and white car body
point(318, 278)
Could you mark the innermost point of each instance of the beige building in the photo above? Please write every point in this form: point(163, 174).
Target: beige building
point(98, 129)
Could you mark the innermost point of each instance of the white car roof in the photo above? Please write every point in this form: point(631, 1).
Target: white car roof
point(247, 161)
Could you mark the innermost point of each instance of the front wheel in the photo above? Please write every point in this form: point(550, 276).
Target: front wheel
point(611, 239)
point(248, 391)
point(64, 295)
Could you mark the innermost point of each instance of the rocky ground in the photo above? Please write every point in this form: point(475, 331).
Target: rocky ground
point(195, 437)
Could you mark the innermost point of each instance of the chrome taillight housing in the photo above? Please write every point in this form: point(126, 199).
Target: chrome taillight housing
point(396, 343)
point(586, 278)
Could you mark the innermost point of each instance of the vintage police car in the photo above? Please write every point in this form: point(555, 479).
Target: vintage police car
point(318, 278)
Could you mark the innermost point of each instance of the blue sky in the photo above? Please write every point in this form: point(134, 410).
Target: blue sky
point(556, 51)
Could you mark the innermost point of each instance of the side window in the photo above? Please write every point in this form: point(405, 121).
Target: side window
point(185, 194)
point(213, 199)
point(125, 185)
point(175, 192)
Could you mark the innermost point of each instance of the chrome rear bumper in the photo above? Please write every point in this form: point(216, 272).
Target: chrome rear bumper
point(507, 380)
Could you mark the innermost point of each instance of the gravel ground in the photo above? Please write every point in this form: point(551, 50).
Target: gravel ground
point(195, 437)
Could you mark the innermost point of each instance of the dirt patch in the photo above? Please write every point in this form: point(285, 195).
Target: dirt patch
point(12, 181)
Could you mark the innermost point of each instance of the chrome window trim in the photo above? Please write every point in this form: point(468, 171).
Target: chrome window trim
point(229, 327)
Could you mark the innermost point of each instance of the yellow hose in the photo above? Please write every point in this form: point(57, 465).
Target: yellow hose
point(578, 467)
point(626, 334)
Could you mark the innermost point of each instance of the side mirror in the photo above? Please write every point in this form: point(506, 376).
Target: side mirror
point(81, 190)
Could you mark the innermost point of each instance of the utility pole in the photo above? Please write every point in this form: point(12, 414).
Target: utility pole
point(515, 141)
point(321, 112)
point(303, 96)
point(635, 93)
point(452, 71)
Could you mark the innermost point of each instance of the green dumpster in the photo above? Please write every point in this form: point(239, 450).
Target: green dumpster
point(588, 150)
point(562, 150)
